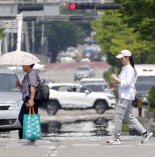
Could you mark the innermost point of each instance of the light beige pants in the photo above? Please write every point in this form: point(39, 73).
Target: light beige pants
point(123, 111)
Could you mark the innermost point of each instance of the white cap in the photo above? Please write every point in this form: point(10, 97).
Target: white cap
point(124, 53)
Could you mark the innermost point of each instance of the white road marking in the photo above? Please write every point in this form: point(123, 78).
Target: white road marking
point(118, 146)
point(53, 154)
point(52, 147)
point(62, 146)
point(86, 144)
point(146, 144)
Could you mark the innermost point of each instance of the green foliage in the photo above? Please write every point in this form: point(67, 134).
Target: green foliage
point(140, 15)
point(114, 35)
point(125, 127)
point(151, 98)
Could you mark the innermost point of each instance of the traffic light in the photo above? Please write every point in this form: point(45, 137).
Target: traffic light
point(97, 6)
point(74, 6)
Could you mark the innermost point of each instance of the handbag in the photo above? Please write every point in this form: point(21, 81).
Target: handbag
point(31, 125)
point(42, 93)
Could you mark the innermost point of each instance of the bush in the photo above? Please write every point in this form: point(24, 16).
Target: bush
point(151, 98)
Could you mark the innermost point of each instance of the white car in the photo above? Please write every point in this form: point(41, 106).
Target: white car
point(10, 100)
point(76, 96)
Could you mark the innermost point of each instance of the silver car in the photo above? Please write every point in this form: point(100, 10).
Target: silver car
point(83, 72)
point(10, 100)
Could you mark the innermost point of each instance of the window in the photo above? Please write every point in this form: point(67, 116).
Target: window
point(144, 83)
point(7, 82)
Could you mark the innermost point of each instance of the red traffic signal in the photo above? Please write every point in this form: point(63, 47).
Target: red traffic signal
point(72, 6)
point(97, 6)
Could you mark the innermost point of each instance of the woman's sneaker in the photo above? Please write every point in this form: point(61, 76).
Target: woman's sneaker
point(114, 141)
point(147, 137)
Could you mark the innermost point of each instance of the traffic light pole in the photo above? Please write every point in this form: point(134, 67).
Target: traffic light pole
point(27, 7)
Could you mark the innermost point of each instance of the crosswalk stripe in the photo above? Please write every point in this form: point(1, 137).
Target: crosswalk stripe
point(118, 146)
point(146, 144)
point(86, 144)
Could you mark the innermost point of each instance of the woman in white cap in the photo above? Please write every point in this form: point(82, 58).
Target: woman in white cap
point(126, 89)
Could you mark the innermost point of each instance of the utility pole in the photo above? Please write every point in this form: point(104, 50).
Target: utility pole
point(12, 41)
point(27, 43)
point(42, 36)
point(33, 37)
point(20, 28)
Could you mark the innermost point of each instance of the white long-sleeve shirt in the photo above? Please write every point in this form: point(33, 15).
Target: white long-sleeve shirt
point(127, 85)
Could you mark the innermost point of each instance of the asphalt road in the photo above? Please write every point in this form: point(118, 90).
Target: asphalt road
point(69, 145)
point(79, 147)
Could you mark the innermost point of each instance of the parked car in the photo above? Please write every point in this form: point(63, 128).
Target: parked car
point(83, 72)
point(10, 100)
point(76, 96)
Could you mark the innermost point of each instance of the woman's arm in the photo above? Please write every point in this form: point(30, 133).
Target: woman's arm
point(115, 78)
point(32, 94)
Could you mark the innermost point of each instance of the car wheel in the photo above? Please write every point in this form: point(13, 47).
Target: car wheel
point(101, 107)
point(52, 107)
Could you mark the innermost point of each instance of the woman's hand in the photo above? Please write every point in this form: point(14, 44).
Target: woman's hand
point(113, 85)
point(30, 103)
point(115, 78)
point(18, 83)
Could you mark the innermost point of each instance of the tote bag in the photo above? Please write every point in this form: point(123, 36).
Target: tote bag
point(31, 125)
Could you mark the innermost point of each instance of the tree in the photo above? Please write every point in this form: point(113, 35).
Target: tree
point(113, 34)
point(61, 35)
point(140, 15)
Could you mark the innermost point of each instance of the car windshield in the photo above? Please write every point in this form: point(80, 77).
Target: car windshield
point(83, 69)
point(8, 82)
point(144, 83)
point(98, 82)
point(96, 87)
